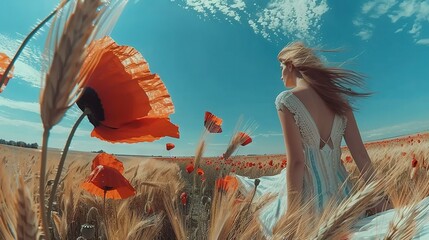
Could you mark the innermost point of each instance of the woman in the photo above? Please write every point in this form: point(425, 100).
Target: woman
point(315, 115)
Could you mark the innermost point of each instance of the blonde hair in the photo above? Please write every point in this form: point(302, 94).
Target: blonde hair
point(331, 83)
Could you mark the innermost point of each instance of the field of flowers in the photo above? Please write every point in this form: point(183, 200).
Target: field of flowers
point(173, 199)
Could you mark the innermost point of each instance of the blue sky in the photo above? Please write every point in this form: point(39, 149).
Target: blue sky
point(220, 56)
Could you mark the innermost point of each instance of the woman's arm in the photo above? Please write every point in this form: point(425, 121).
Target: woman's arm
point(357, 148)
point(360, 155)
point(295, 158)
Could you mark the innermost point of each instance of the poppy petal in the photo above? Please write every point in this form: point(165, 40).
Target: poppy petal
point(4, 63)
point(141, 130)
point(169, 146)
point(107, 179)
point(109, 160)
point(212, 123)
point(135, 103)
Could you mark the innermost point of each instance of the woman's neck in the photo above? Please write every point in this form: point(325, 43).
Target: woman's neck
point(301, 83)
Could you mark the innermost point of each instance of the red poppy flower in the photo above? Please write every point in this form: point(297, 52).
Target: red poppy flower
point(190, 168)
point(108, 180)
point(169, 146)
point(212, 123)
point(244, 138)
point(227, 183)
point(414, 163)
point(200, 171)
point(348, 159)
point(128, 103)
point(184, 198)
point(4, 63)
point(108, 160)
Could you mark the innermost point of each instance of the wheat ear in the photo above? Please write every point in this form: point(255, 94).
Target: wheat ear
point(61, 78)
point(348, 211)
point(27, 227)
point(403, 225)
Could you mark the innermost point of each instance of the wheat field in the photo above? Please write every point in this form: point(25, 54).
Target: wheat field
point(158, 211)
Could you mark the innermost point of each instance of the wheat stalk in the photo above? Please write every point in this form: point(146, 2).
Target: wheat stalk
point(348, 211)
point(7, 215)
point(61, 79)
point(27, 227)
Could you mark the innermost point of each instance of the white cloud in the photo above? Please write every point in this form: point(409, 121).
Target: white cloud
point(33, 107)
point(231, 9)
point(378, 8)
point(72, 114)
point(269, 134)
point(365, 34)
point(366, 28)
point(37, 127)
point(424, 41)
point(28, 64)
point(416, 11)
point(298, 19)
point(395, 130)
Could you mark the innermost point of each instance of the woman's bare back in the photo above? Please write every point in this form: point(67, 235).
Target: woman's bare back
point(321, 114)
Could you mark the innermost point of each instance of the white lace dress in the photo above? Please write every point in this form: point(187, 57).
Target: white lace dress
point(325, 178)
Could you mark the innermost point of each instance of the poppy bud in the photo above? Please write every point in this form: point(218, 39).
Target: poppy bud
point(414, 163)
point(257, 181)
point(184, 198)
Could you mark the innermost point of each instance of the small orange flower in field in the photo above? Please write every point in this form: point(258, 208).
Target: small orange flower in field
point(169, 146)
point(190, 168)
point(184, 198)
point(127, 102)
point(109, 182)
point(403, 153)
point(349, 159)
point(4, 63)
point(227, 183)
point(212, 123)
point(244, 138)
point(200, 171)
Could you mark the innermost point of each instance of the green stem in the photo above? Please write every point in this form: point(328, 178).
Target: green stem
point(42, 183)
point(61, 164)
point(26, 40)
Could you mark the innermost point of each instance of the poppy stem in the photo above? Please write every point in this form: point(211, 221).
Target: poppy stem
point(42, 176)
point(104, 204)
point(62, 161)
point(27, 39)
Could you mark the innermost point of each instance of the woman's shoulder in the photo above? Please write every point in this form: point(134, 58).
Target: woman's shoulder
point(281, 98)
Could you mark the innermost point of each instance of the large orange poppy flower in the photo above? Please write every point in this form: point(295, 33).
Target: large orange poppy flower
point(109, 182)
point(109, 160)
point(212, 123)
point(4, 63)
point(128, 103)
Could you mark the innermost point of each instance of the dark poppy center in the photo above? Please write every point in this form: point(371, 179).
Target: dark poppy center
point(89, 99)
point(108, 188)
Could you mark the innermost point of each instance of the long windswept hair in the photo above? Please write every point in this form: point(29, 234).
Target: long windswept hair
point(331, 83)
